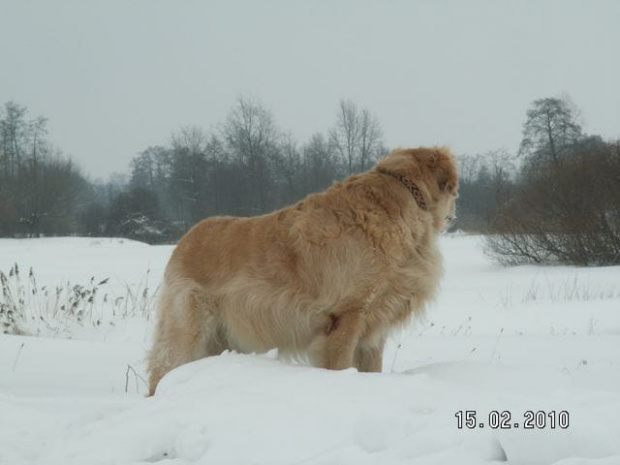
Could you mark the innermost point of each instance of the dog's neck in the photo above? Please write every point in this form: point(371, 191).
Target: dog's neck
point(411, 187)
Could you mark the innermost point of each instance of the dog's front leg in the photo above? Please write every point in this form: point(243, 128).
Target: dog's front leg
point(369, 358)
point(342, 337)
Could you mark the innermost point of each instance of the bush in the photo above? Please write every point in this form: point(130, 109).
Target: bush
point(565, 210)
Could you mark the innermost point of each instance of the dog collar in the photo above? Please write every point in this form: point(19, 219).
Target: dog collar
point(411, 187)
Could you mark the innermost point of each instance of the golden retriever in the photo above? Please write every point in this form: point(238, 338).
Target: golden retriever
point(326, 278)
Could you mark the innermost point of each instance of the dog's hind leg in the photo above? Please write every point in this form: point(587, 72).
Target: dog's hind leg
point(369, 357)
point(337, 346)
point(187, 330)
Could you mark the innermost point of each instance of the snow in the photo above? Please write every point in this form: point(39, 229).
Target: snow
point(77, 259)
point(505, 339)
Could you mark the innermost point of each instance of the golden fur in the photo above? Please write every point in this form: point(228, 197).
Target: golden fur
point(327, 278)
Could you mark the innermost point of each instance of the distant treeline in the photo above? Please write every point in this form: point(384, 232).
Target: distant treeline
point(560, 180)
point(248, 166)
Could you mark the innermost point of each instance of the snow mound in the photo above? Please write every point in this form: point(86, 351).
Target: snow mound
point(242, 409)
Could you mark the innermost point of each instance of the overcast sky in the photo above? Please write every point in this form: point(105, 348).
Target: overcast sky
point(114, 77)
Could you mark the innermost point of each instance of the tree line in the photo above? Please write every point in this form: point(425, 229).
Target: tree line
point(41, 192)
point(556, 200)
point(247, 165)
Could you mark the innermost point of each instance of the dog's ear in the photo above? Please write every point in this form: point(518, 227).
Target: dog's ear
point(442, 164)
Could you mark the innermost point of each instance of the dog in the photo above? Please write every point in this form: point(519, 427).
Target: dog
point(326, 279)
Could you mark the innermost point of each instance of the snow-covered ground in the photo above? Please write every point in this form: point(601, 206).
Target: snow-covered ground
point(540, 339)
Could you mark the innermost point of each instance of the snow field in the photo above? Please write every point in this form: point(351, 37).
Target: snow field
point(505, 339)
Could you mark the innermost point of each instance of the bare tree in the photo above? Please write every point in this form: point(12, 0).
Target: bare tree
point(345, 136)
point(485, 182)
point(550, 129)
point(290, 169)
point(189, 174)
point(319, 164)
point(13, 129)
point(217, 157)
point(356, 137)
point(370, 139)
point(253, 138)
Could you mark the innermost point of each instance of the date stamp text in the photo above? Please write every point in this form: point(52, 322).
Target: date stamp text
point(504, 419)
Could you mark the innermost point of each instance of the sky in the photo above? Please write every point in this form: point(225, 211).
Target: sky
point(115, 77)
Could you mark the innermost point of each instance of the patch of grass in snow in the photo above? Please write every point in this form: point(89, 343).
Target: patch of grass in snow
point(27, 309)
point(575, 289)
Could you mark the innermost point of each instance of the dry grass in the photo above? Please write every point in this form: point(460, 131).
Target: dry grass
point(29, 309)
point(573, 289)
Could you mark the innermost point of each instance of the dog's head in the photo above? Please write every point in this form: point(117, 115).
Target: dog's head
point(434, 171)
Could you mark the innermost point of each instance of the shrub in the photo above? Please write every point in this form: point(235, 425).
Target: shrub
point(565, 210)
